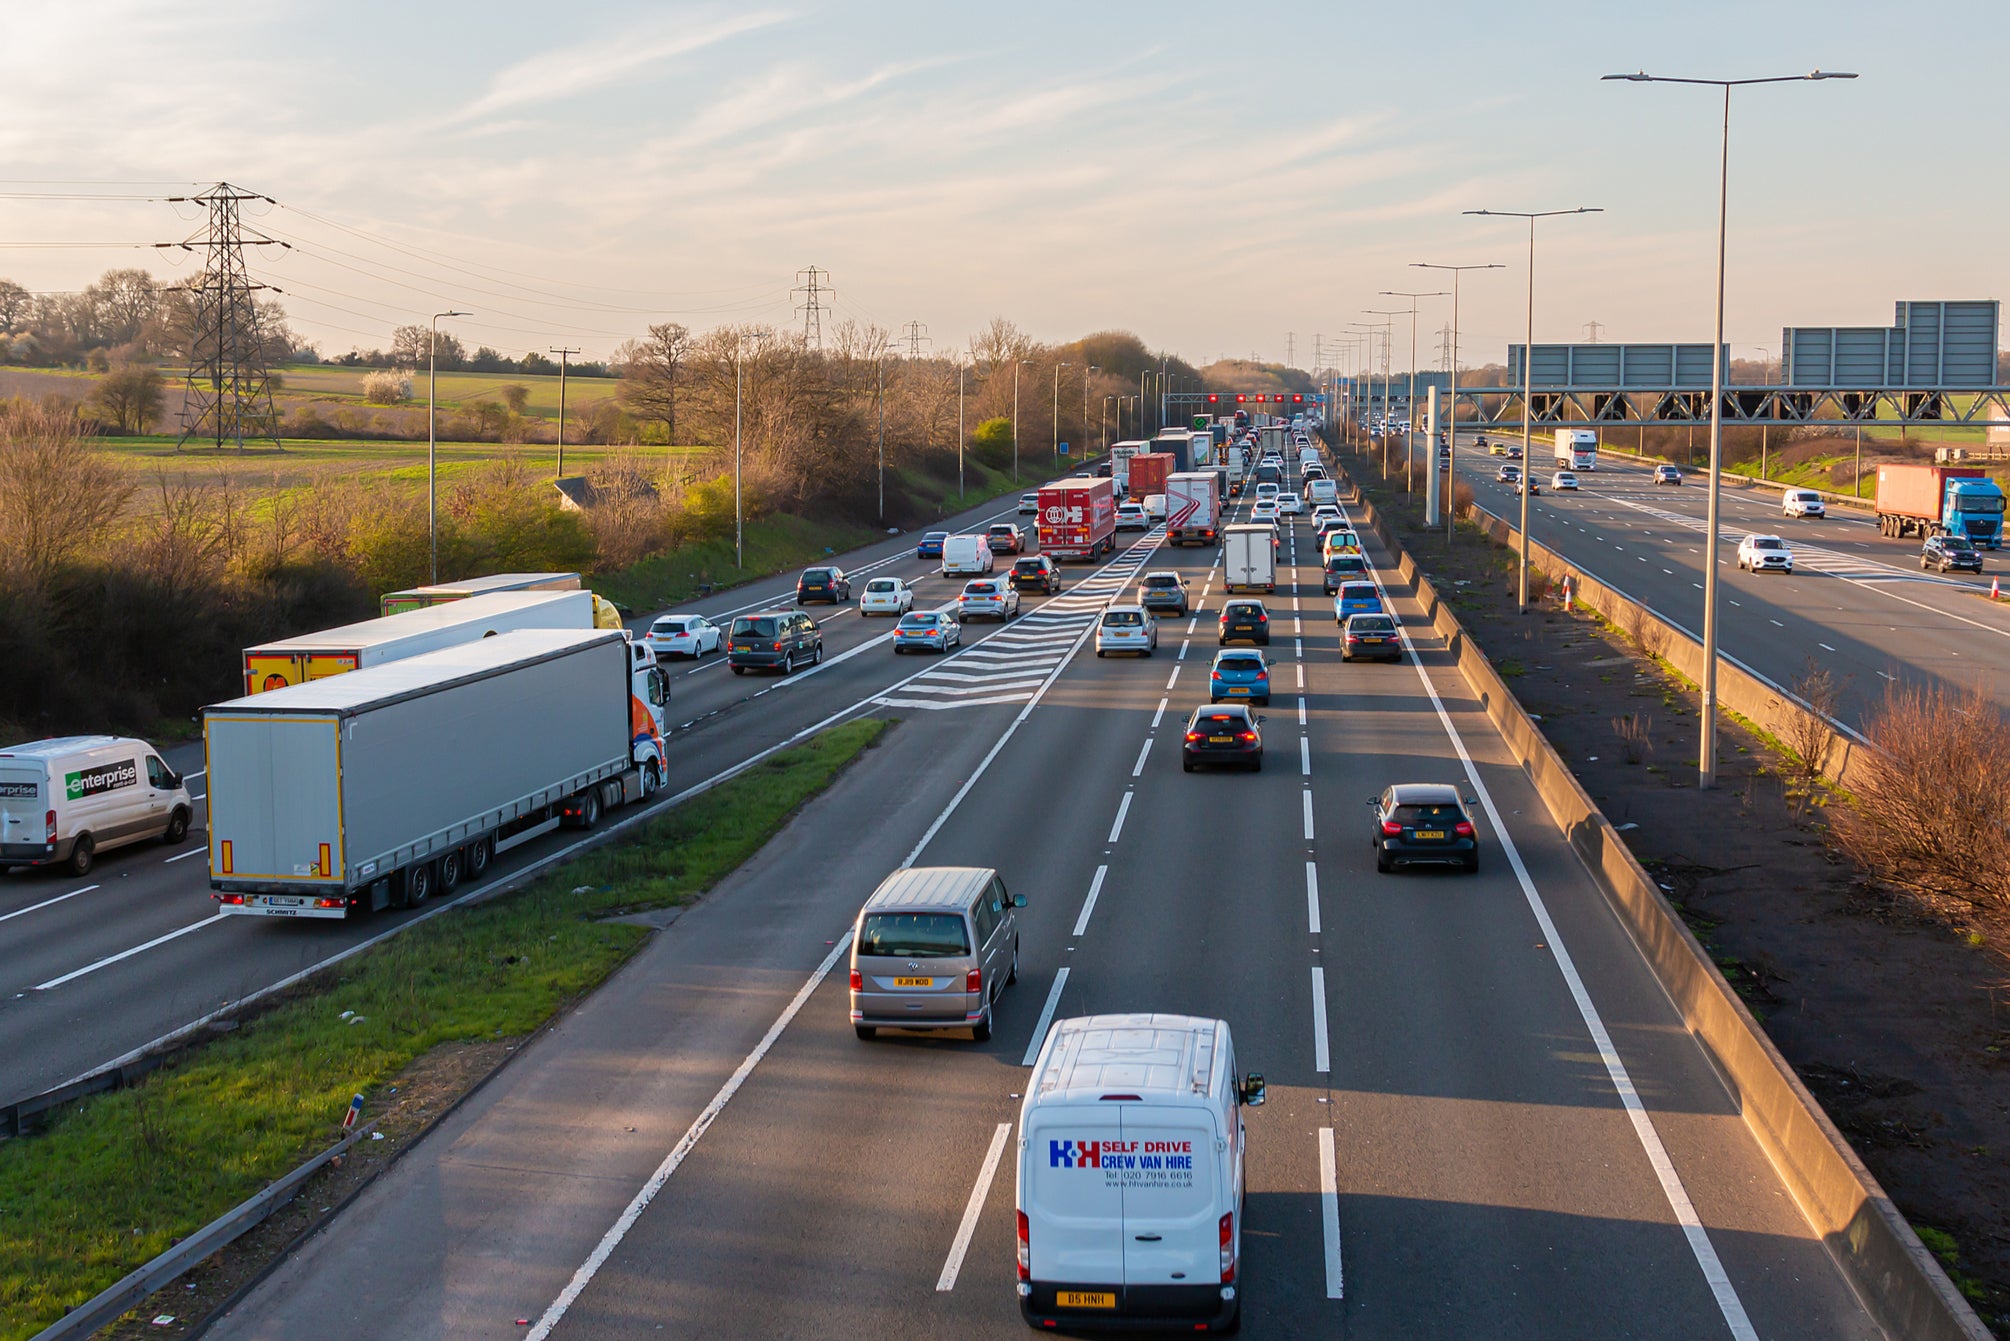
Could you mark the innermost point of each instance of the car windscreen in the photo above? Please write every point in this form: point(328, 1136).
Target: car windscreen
point(1369, 624)
point(1243, 610)
point(1344, 563)
point(1428, 817)
point(816, 574)
point(1122, 619)
point(981, 589)
point(914, 935)
point(1953, 546)
point(1160, 580)
point(1219, 720)
point(1027, 566)
point(883, 584)
point(667, 626)
point(752, 627)
point(917, 621)
point(936, 535)
point(1767, 542)
point(1244, 664)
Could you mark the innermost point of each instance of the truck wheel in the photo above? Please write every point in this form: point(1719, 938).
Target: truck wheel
point(480, 853)
point(418, 884)
point(651, 779)
point(82, 853)
point(450, 872)
point(589, 808)
point(177, 828)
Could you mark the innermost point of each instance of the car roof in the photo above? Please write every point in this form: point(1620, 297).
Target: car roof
point(921, 887)
point(1133, 607)
point(1425, 794)
point(1165, 1056)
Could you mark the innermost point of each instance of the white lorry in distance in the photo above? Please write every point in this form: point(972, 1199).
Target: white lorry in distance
point(1576, 449)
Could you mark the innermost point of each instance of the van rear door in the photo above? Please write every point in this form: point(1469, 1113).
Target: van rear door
point(1074, 1206)
point(24, 802)
point(1172, 1209)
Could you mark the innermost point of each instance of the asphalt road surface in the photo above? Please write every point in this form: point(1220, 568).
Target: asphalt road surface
point(1485, 1116)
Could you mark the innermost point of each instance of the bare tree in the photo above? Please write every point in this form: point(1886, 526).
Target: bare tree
point(998, 344)
point(59, 497)
point(408, 348)
point(129, 397)
point(650, 373)
point(15, 305)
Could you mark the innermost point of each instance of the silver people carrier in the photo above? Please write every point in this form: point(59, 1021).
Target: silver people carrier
point(933, 948)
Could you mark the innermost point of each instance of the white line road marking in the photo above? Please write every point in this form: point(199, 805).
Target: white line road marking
point(1305, 756)
point(184, 856)
point(18, 912)
point(1299, 644)
point(1312, 896)
point(1301, 675)
point(1776, 623)
point(1123, 809)
point(108, 960)
point(1172, 677)
point(1321, 1061)
point(1184, 644)
point(1705, 1252)
point(1138, 769)
point(1046, 1018)
point(1308, 814)
point(1892, 678)
point(1160, 714)
point(1329, 1213)
point(1191, 622)
point(972, 1209)
point(633, 1212)
point(1825, 647)
point(1301, 711)
point(1089, 904)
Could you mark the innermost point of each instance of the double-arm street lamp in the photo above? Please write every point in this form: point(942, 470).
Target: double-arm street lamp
point(1528, 373)
point(1413, 297)
point(433, 444)
point(1452, 399)
point(1707, 765)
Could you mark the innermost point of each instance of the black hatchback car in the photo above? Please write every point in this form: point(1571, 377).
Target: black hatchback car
point(1946, 552)
point(1222, 733)
point(823, 584)
point(1245, 620)
point(1036, 572)
point(1424, 824)
point(1163, 591)
point(778, 640)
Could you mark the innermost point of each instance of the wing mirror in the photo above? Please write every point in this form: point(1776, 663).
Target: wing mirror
point(1472, 800)
point(1252, 1089)
point(1018, 900)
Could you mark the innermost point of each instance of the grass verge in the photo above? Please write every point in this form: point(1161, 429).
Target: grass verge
point(119, 1178)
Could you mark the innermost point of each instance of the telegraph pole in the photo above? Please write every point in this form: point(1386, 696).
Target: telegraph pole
point(564, 356)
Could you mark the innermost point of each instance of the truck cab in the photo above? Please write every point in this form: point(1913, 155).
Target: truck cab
point(1975, 510)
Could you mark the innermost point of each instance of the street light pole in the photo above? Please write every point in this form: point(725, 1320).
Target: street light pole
point(1087, 368)
point(1412, 414)
point(879, 365)
point(1057, 409)
point(739, 533)
point(1452, 402)
point(1528, 375)
point(1409, 410)
point(959, 427)
point(1707, 763)
point(1017, 364)
point(433, 445)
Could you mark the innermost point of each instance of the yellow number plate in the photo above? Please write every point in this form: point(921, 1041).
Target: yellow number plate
point(1086, 1298)
point(914, 982)
point(1221, 740)
point(1430, 833)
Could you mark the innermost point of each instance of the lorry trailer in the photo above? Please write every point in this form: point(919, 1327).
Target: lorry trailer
point(1078, 518)
point(1193, 508)
point(387, 785)
point(605, 616)
point(1150, 470)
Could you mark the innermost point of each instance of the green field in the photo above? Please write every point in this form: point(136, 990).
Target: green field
point(330, 382)
point(305, 460)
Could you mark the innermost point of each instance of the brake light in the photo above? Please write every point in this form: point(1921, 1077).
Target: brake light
point(49, 823)
point(1214, 675)
point(1245, 735)
point(1025, 1251)
point(331, 903)
point(1392, 829)
point(778, 647)
point(857, 981)
point(1228, 1248)
point(228, 898)
point(1263, 619)
point(1464, 828)
point(973, 981)
point(1193, 735)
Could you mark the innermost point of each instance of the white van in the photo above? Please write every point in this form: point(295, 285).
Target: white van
point(65, 800)
point(965, 554)
point(1130, 1173)
point(1321, 491)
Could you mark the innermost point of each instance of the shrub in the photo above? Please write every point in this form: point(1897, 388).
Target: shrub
point(387, 388)
point(992, 442)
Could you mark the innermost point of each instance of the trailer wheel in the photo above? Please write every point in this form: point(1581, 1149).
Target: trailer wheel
point(480, 853)
point(418, 884)
point(450, 871)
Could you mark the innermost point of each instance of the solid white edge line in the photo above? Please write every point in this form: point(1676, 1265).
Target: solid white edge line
point(1047, 1010)
point(1322, 1060)
point(1308, 814)
point(640, 1202)
point(1089, 904)
point(109, 960)
point(22, 912)
point(184, 856)
point(1123, 809)
point(1312, 897)
point(1138, 769)
point(1329, 1213)
point(1672, 1188)
point(973, 1208)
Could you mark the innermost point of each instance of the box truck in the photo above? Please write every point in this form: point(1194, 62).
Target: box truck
point(387, 785)
point(1249, 558)
point(1120, 464)
point(1918, 499)
point(1078, 518)
point(315, 656)
point(605, 616)
point(1149, 471)
point(1193, 508)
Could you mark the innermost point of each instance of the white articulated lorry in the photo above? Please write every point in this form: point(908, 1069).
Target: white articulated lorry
point(387, 785)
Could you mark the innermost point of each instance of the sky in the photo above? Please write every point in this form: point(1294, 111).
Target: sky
point(1222, 179)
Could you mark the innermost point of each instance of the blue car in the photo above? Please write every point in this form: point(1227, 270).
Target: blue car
point(1356, 598)
point(931, 545)
point(1240, 674)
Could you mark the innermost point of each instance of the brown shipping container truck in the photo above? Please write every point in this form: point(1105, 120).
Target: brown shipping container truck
point(1149, 471)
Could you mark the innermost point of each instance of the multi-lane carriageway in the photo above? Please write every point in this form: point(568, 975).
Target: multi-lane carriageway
point(1485, 1117)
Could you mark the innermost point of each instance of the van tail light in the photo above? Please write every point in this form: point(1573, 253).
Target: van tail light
point(778, 647)
point(1228, 1248)
point(973, 981)
point(1025, 1251)
point(49, 827)
point(857, 981)
point(1392, 829)
point(1464, 828)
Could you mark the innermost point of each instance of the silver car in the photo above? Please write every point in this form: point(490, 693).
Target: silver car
point(987, 598)
point(932, 949)
point(1127, 628)
point(926, 631)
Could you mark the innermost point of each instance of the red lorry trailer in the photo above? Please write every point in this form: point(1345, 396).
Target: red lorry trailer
point(1149, 471)
point(1078, 518)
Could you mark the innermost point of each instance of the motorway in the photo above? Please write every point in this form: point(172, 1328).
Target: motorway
point(94, 968)
point(1856, 602)
point(1485, 1116)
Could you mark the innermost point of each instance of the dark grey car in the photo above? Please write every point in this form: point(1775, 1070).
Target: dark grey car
point(778, 640)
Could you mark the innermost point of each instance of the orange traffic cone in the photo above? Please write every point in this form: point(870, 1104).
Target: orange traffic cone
point(1995, 588)
point(1566, 591)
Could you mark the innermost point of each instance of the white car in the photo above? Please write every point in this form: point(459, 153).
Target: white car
point(886, 596)
point(1264, 510)
point(1563, 479)
point(1802, 503)
point(1029, 505)
point(1321, 510)
point(1127, 628)
point(682, 636)
point(987, 598)
point(1267, 490)
point(1131, 517)
point(1322, 522)
point(1765, 551)
point(1290, 503)
point(1508, 475)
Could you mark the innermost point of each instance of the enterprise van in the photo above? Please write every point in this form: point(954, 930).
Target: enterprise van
point(933, 948)
point(65, 800)
point(1130, 1174)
